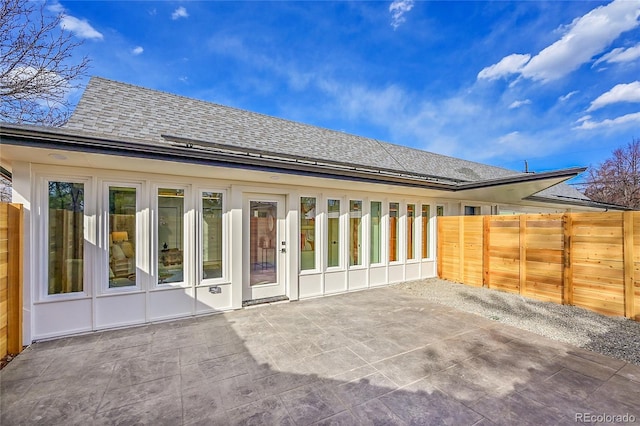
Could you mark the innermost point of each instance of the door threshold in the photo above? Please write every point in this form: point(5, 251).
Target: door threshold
point(264, 301)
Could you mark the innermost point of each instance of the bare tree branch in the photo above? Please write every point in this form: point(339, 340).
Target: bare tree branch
point(617, 179)
point(36, 68)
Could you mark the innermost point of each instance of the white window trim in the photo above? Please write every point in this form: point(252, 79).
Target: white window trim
point(342, 233)
point(318, 239)
point(417, 238)
point(400, 231)
point(188, 243)
point(42, 295)
point(199, 281)
point(430, 232)
point(141, 239)
point(363, 263)
point(382, 239)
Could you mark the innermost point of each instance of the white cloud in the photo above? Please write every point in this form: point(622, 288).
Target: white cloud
point(518, 104)
point(508, 65)
point(584, 38)
point(398, 9)
point(620, 55)
point(568, 95)
point(137, 50)
point(55, 7)
point(588, 124)
point(180, 12)
point(34, 77)
point(80, 27)
point(620, 93)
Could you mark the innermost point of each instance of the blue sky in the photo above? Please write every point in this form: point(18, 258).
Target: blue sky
point(554, 83)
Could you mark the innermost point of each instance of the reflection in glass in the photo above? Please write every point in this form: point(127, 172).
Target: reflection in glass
point(394, 224)
point(122, 237)
point(411, 231)
point(170, 253)
point(333, 231)
point(426, 234)
point(376, 220)
point(211, 235)
point(66, 237)
point(307, 233)
point(355, 232)
point(263, 240)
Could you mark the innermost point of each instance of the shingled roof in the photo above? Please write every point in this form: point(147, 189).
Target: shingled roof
point(132, 113)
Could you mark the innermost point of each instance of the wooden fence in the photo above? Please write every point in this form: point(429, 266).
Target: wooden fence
point(591, 260)
point(11, 231)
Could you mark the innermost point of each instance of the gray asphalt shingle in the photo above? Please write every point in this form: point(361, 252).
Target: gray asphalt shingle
point(130, 113)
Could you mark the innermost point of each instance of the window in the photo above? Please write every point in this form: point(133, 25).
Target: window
point(394, 225)
point(170, 252)
point(333, 232)
point(376, 220)
point(122, 236)
point(211, 235)
point(439, 210)
point(307, 233)
point(411, 230)
point(471, 210)
point(66, 237)
point(426, 233)
point(355, 233)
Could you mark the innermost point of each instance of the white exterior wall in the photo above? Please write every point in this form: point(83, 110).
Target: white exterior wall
point(98, 307)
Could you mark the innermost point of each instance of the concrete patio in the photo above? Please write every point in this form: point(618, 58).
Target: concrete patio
point(372, 357)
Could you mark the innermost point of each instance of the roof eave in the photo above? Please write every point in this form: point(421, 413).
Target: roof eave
point(576, 202)
point(57, 138)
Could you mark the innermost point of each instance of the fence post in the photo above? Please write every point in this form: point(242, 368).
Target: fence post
point(629, 278)
point(486, 233)
point(461, 249)
point(14, 284)
point(567, 279)
point(439, 237)
point(523, 254)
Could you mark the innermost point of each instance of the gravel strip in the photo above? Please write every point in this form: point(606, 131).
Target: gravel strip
point(617, 337)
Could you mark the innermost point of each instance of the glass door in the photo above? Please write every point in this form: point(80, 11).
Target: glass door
point(265, 249)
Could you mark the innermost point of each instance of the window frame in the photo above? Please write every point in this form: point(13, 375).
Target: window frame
point(426, 232)
point(199, 280)
point(414, 233)
point(317, 232)
point(141, 238)
point(341, 234)
point(42, 294)
point(399, 239)
point(187, 238)
point(381, 233)
point(361, 254)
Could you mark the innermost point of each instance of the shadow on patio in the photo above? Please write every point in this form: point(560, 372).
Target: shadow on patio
point(372, 357)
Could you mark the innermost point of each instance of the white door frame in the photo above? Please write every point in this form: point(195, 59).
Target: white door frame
point(280, 247)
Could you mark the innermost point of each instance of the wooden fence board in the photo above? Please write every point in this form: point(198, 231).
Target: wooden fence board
point(4, 279)
point(11, 256)
point(586, 259)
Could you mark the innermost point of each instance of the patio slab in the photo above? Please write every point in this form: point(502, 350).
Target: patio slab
point(379, 356)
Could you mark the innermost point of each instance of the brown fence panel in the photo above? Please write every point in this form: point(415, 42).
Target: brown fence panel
point(11, 231)
point(448, 245)
point(472, 249)
point(544, 242)
point(504, 253)
point(590, 260)
point(462, 248)
point(4, 278)
point(598, 262)
point(635, 311)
